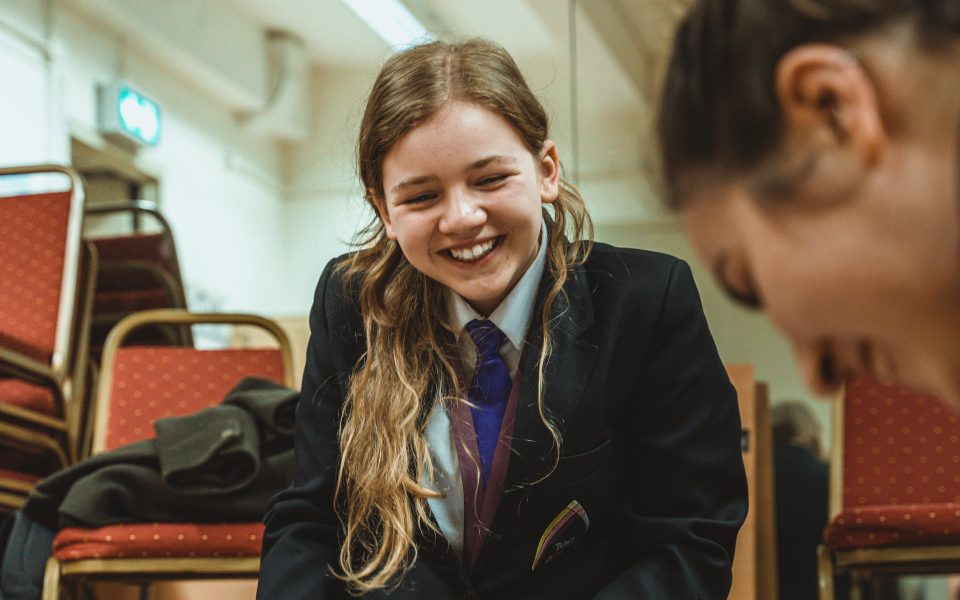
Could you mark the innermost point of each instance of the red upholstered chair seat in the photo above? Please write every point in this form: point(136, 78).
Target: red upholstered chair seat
point(19, 476)
point(27, 466)
point(895, 525)
point(160, 540)
point(31, 397)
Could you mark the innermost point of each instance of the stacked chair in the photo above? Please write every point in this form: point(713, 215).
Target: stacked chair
point(140, 383)
point(895, 486)
point(46, 292)
point(138, 270)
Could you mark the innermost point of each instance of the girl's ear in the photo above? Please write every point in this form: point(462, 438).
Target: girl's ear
point(549, 165)
point(380, 204)
point(833, 127)
point(826, 87)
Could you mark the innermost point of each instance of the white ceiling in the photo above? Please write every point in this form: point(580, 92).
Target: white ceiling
point(332, 32)
point(336, 37)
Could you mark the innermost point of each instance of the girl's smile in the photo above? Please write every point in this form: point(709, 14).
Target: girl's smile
point(475, 253)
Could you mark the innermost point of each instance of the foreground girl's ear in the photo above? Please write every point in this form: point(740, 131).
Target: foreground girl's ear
point(549, 165)
point(833, 129)
point(380, 204)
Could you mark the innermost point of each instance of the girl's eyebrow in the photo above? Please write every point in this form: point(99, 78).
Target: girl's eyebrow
point(496, 158)
point(411, 181)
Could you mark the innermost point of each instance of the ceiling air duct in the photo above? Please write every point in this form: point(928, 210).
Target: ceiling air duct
point(284, 115)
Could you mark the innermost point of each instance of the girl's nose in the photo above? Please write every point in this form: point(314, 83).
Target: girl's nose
point(462, 214)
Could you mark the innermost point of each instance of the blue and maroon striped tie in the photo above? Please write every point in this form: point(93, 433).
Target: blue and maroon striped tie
point(490, 390)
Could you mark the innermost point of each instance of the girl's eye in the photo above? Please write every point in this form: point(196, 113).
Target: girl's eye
point(491, 180)
point(746, 293)
point(420, 199)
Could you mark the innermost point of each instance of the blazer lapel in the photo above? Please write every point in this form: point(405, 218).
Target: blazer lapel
point(564, 380)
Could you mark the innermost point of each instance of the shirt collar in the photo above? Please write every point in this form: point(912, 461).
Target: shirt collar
point(514, 314)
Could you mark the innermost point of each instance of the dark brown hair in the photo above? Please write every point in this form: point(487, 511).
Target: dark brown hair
point(410, 367)
point(719, 109)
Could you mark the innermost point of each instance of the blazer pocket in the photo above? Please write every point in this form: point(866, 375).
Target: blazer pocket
point(574, 468)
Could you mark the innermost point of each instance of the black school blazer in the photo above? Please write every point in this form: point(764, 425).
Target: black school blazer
point(650, 455)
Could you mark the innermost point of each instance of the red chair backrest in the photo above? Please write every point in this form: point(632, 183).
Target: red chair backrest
point(33, 238)
point(135, 246)
point(899, 447)
point(150, 248)
point(153, 382)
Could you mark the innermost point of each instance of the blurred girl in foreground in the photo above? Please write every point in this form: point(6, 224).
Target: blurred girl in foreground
point(811, 147)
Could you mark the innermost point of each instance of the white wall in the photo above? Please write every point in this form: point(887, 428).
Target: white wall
point(219, 188)
point(324, 201)
point(26, 133)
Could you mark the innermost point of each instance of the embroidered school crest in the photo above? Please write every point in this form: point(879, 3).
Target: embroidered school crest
point(561, 533)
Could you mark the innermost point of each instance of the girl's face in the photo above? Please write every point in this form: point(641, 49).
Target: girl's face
point(867, 286)
point(463, 198)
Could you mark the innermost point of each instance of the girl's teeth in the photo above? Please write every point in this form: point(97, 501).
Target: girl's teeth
point(474, 253)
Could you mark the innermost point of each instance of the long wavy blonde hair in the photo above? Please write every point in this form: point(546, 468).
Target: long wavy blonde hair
point(411, 361)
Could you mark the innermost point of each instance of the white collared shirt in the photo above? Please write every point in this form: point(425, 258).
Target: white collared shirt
point(512, 317)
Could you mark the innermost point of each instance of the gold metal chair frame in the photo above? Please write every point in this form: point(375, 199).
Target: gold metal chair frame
point(157, 569)
point(66, 373)
point(906, 560)
point(13, 493)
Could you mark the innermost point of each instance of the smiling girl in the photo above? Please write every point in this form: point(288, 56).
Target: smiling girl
point(490, 408)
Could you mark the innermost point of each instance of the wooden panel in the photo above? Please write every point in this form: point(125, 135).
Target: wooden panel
point(755, 561)
point(765, 508)
point(180, 590)
point(205, 590)
point(745, 559)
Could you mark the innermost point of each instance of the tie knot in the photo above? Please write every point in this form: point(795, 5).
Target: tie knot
point(487, 337)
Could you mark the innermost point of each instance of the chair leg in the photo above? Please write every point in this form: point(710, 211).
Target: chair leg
point(859, 586)
point(51, 580)
point(825, 572)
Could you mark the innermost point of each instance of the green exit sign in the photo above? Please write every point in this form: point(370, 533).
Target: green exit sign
point(127, 115)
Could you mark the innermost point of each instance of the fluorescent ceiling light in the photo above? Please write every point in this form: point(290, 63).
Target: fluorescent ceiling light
point(390, 20)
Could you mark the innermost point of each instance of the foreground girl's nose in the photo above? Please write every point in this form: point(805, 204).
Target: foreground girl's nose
point(822, 369)
point(461, 214)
